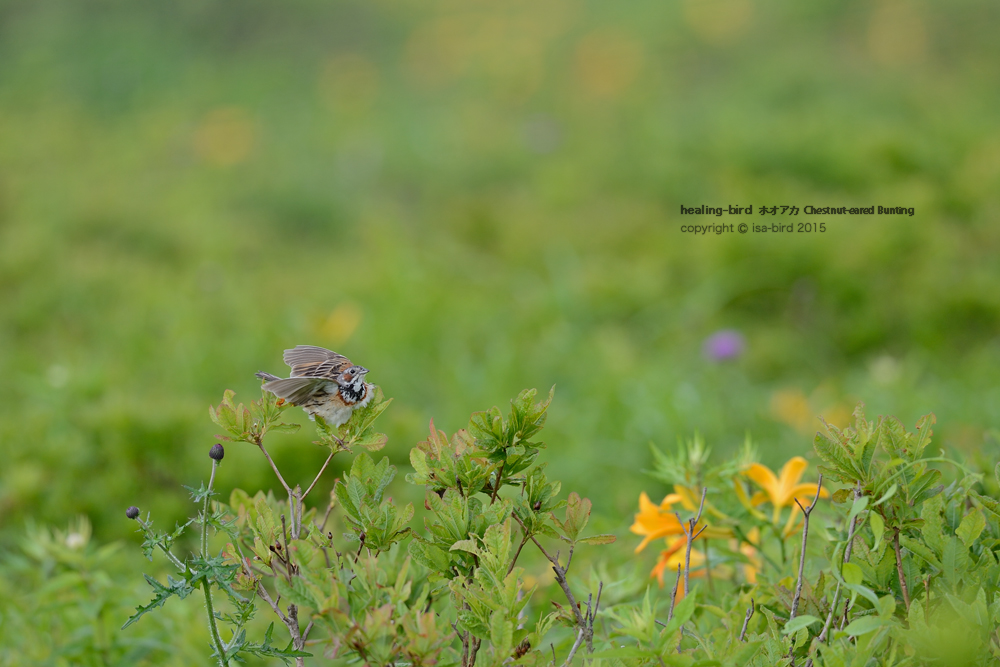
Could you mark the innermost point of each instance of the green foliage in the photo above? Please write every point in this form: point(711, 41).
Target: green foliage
point(922, 567)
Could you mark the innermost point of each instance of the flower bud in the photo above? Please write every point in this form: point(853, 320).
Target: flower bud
point(132, 512)
point(217, 452)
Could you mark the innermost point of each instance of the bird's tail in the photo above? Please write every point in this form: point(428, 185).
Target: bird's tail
point(266, 376)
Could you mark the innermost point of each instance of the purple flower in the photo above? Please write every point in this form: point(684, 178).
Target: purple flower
point(724, 345)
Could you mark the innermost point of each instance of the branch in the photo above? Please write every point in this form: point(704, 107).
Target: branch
point(260, 443)
point(847, 558)
point(561, 580)
point(319, 474)
point(517, 553)
point(496, 483)
point(750, 611)
point(899, 570)
point(691, 536)
point(572, 651)
point(802, 556)
point(673, 595)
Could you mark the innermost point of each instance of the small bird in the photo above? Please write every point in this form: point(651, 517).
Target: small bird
point(322, 383)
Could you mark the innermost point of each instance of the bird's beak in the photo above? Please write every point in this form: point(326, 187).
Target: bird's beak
point(364, 371)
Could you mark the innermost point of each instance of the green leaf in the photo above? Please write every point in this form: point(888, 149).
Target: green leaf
point(970, 528)
point(954, 561)
point(991, 506)
point(295, 592)
point(878, 527)
point(853, 574)
point(887, 495)
point(859, 506)
point(864, 625)
point(798, 623)
point(501, 632)
point(179, 587)
point(841, 495)
point(598, 539)
point(624, 653)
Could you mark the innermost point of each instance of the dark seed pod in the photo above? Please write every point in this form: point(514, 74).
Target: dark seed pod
point(217, 452)
point(537, 506)
point(132, 512)
point(521, 649)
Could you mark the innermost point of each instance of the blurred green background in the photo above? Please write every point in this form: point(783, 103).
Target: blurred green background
point(473, 197)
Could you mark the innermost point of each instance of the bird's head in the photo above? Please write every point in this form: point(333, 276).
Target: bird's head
point(351, 376)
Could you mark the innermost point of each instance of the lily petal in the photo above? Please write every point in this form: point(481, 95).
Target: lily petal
point(765, 479)
point(791, 473)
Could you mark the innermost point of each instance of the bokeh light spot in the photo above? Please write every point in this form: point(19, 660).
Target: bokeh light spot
point(607, 62)
point(225, 137)
point(896, 33)
point(718, 21)
point(340, 325)
point(349, 82)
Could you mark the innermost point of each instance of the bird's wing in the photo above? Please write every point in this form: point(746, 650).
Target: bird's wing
point(293, 390)
point(312, 361)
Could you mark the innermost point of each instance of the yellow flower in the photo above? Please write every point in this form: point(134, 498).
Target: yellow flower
point(656, 521)
point(783, 491)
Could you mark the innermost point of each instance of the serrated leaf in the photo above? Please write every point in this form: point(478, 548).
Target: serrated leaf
point(295, 592)
point(954, 560)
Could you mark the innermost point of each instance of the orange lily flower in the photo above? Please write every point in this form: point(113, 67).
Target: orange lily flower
point(656, 521)
point(783, 491)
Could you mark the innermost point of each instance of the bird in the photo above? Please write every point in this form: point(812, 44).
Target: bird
point(323, 383)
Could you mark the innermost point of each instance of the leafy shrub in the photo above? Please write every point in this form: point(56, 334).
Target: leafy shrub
point(903, 570)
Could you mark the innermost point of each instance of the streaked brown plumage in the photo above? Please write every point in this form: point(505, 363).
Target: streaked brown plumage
point(322, 383)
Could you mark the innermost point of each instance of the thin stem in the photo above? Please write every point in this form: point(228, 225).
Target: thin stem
point(673, 594)
point(558, 569)
point(691, 536)
point(517, 553)
point(847, 558)
point(205, 585)
point(572, 651)
point(204, 512)
point(290, 568)
point(561, 580)
point(899, 570)
point(319, 474)
point(170, 556)
point(802, 556)
point(496, 483)
point(746, 620)
point(326, 517)
point(260, 443)
point(216, 639)
point(592, 615)
point(360, 547)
